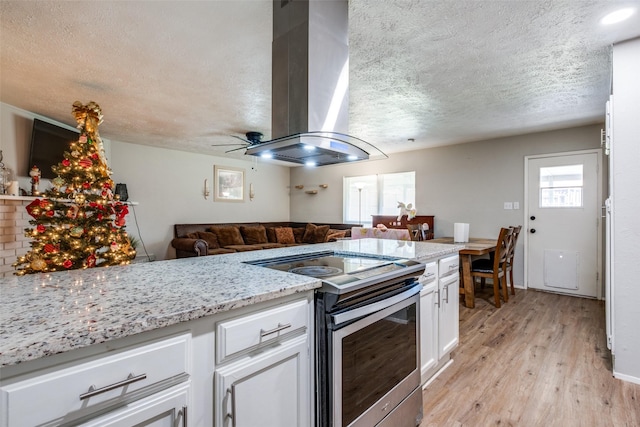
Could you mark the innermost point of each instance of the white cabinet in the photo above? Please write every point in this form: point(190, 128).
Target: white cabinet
point(448, 315)
point(164, 409)
point(429, 320)
point(264, 372)
point(269, 390)
point(83, 391)
point(439, 315)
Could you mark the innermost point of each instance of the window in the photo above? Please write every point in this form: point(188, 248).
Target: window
point(376, 195)
point(561, 187)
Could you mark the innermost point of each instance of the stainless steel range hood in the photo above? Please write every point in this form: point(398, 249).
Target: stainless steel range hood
point(310, 82)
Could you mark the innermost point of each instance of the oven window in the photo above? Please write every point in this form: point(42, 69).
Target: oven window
point(375, 359)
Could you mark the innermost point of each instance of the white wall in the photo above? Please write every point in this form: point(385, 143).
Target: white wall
point(626, 206)
point(167, 184)
point(458, 183)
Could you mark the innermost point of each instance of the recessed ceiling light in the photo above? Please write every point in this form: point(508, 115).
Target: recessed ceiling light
point(617, 16)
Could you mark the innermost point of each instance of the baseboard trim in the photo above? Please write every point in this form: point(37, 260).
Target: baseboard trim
point(625, 377)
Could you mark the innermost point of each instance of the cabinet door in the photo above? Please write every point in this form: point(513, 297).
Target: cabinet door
point(163, 409)
point(270, 389)
point(428, 329)
point(449, 315)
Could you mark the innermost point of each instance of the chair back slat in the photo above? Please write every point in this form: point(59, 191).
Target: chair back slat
point(502, 247)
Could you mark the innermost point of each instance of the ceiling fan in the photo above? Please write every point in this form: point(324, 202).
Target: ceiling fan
point(252, 138)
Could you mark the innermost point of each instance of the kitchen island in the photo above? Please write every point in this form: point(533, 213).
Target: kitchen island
point(52, 323)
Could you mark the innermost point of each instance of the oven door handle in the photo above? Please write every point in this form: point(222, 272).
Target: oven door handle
point(356, 313)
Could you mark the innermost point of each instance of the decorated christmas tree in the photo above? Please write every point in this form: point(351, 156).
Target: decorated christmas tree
point(79, 223)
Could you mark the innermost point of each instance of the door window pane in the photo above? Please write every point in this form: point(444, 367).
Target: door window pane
point(561, 186)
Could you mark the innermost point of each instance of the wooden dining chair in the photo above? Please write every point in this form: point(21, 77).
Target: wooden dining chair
point(495, 268)
point(415, 230)
point(511, 255)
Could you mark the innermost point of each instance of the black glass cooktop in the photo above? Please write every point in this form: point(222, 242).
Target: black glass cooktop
point(338, 271)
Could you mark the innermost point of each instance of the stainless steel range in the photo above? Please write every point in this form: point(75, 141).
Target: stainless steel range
point(367, 338)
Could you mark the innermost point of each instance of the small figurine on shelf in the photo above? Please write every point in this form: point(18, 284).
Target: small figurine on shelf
point(34, 173)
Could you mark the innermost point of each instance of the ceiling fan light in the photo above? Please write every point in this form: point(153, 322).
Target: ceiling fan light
point(617, 16)
point(310, 163)
point(267, 155)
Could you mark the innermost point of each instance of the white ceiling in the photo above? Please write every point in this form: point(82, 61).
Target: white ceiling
point(188, 74)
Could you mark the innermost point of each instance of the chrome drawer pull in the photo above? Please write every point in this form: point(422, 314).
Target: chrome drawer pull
point(279, 328)
point(93, 391)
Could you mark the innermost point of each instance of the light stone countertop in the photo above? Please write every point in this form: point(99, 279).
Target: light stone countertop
point(45, 314)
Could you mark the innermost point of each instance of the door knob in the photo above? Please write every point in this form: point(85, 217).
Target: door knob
point(532, 218)
point(532, 231)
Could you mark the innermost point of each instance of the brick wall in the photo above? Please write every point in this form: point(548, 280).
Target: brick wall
point(13, 243)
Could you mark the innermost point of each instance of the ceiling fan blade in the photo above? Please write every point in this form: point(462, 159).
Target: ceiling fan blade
point(235, 149)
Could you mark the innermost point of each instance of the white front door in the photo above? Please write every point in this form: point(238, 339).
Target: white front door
point(563, 223)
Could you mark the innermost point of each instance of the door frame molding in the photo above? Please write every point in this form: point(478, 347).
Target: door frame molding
point(600, 200)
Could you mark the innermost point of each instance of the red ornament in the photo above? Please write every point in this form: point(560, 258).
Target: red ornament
point(50, 248)
point(41, 228)
point(95, 156)
point(120, 221)
point(86, 185)
point(45, 203)
point(49, 213)
point(107, 184)
point(33, 208)
point(91, 261)
point(99, 216)
point(67, 263)
point(85, 163)
point(66, 162)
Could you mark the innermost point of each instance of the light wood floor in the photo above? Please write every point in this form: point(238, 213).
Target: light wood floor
point(540, 360)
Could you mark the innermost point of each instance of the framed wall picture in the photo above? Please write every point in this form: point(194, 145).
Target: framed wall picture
point(228, 183)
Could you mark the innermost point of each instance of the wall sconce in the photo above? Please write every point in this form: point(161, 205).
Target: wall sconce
point(299, 187)
point(206, 189)
point(324, 186)
point(251, 193)
point(312, 192)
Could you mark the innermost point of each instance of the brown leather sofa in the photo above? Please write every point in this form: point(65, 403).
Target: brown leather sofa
point(222, 238)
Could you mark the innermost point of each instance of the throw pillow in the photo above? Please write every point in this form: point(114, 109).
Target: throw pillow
point(193, 235)
point(334, 235)
point(298, 234)
point(285, 235)
point(228, 235)
point(271, 235)
point(253, 235)
point(210, 238)
point(315, 233)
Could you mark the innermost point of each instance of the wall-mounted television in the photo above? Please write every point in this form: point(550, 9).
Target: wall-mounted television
point(48, 144)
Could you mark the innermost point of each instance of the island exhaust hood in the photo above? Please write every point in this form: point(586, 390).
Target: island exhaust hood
point(310, 81)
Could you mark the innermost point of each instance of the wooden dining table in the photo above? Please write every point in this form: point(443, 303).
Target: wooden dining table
point(476, 246)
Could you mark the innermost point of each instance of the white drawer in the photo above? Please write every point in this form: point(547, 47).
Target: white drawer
point(449, 265)
point(250, 331)
point(52, 398)
point(430, 273)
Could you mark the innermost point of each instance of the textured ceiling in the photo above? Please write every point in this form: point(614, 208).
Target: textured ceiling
point(188, 74)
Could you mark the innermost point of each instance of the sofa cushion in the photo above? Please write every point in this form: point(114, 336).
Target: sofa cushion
point(220, 251)
point(193, 235)
point(285, 235)
point(298, 234)
point(244, 248)
point(253, 235)
point(210, 238)
point(315, 233)
point(228, 235)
